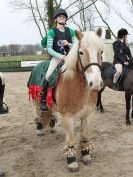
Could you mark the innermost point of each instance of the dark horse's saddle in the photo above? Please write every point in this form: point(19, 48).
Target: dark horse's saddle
point(108, 71)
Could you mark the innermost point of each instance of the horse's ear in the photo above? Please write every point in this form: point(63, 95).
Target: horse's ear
point(78, 34)
point(99, 32)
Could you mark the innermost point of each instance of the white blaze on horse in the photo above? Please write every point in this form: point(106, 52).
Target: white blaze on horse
point(76, 93)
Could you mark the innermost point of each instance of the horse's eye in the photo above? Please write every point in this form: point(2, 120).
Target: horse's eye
point(81, 53)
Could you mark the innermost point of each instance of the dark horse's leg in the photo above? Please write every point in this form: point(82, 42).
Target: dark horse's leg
point(128, 106)
point(99, 105)
point(132, 109)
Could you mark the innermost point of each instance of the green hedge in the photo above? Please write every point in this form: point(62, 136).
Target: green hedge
point(24, 58)
point(13, 63)
point(13, 66)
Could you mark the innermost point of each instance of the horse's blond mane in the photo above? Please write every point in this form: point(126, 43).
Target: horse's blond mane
point(89, 41)
point(70, 62)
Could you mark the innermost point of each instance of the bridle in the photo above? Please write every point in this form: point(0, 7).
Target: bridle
point(84, 68)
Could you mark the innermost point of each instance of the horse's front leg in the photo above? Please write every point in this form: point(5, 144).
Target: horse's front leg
point(99, 105)
point(70, 149)
point(128, 106)
point(86, 145)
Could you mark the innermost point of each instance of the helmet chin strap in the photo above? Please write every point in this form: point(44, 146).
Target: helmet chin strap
point(61, 23)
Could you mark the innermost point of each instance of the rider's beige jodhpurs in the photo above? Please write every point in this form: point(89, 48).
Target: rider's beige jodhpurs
point(53, 64)
point(118, 72)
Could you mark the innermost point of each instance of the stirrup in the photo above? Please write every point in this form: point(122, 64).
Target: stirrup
point(115, 87)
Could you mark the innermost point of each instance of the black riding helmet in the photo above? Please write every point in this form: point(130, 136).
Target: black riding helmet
point(59, 12)
point(122, 32)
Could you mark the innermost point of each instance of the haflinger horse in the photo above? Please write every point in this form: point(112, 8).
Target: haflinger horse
point(76, 93)
point(125, 84)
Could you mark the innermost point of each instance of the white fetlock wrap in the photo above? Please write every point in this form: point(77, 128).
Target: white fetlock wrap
point(73, 167)
point(40, 132)
point(86, 159)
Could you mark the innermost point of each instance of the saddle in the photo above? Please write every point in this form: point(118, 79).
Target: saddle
point(110, 72)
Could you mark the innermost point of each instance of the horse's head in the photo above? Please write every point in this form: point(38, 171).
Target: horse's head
point(89, 57)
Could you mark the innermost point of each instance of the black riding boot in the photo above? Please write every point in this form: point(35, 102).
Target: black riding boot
point(43, 106)
point(3, 109)
point(115, 87)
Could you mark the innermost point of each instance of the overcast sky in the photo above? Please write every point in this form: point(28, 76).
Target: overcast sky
point(14, 29)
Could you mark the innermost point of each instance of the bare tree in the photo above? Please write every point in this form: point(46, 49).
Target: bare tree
point(36, 10)
point(121, 15)
point(83, 13)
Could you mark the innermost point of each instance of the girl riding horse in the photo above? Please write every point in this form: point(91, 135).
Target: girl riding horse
point(122, 55)
point(59, 42)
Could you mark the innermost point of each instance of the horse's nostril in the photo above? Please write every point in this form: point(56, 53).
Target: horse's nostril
point(91, 84)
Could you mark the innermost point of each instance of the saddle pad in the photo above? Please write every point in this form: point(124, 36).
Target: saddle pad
point(35, 82)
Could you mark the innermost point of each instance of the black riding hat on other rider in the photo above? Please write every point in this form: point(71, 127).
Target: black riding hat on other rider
point(122, 54)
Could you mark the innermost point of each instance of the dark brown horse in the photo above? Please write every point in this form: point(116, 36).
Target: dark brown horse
point(125, 84)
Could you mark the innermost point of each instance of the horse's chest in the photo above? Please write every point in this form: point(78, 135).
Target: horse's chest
point(75, 98)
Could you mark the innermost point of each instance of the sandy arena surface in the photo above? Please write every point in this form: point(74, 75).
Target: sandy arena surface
point(24, 154)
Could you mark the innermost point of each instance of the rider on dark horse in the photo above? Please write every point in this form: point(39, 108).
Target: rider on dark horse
point(3, 106)
point(122, 54)
point(59, 42)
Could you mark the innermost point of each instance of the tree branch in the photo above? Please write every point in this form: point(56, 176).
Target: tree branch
point(83, 9)
point(35, 19)
point(119, 15)
point(41, 17)
point(104, 20)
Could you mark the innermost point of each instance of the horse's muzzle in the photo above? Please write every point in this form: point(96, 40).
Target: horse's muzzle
point(96, 86)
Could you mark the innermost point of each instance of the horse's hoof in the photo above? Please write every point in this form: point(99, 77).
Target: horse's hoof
point(2, 173)
point(99, 109)
point(128, 122)
point(40, 132)
point(86, 159)
point(73, 167)
point(52, 131)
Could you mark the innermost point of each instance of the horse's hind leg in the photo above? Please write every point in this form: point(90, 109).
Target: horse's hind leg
point(128, 106)
point(39, 126)
point(132, 109)
point(42, 119)
point(70, 149)
point(86, 145)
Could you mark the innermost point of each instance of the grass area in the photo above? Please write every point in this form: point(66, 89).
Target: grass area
point(24, 58)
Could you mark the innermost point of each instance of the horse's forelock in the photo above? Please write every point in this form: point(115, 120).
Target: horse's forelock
point(92, 41)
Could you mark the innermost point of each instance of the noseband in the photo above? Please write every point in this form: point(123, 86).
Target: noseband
point(84, 68)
